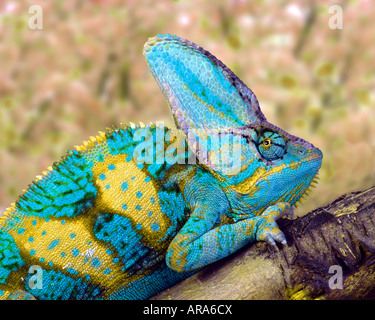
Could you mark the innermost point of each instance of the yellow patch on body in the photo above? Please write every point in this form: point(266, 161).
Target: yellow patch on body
point(127, 190)
point(75, 251)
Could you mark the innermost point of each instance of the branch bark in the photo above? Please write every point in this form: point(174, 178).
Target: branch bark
point(341, 234)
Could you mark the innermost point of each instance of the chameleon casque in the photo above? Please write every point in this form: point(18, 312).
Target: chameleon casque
point(134, 210)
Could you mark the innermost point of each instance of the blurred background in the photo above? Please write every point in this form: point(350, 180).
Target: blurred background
point(84, 71)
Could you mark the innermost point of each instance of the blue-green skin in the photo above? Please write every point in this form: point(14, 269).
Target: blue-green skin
point(211, 212)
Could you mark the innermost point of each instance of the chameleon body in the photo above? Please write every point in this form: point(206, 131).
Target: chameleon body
point(136, 209)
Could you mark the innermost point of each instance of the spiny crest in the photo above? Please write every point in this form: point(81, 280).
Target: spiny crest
point(94, 141)
point(7, 212)
point(103, 136)
point(85, 147)
point(306, 193)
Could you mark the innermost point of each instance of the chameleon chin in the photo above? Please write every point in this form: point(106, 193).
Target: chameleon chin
point(100, 224)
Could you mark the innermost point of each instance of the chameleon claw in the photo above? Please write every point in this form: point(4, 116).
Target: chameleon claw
point(279, 236)
point(268, 229)
point(269, 239)
point(272, 239)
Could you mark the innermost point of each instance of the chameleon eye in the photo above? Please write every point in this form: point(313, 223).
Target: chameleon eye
point(271, 145)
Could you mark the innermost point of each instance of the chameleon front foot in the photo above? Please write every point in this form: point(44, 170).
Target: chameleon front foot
point(271, 234)
point(268, 229)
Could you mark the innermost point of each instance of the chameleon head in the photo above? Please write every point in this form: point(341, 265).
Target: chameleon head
point(210, 103)
point(277, 166)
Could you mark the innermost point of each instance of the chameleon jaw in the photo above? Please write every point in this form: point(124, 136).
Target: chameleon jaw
point(306, 193)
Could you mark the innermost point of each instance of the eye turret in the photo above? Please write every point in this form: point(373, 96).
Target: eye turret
point(271, 146)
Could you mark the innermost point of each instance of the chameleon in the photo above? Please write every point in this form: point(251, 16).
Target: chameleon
point(138, 208)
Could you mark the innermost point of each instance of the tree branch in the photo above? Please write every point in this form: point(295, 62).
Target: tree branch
point(341, 234)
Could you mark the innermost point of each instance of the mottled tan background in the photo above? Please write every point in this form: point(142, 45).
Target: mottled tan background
point(84, 71)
